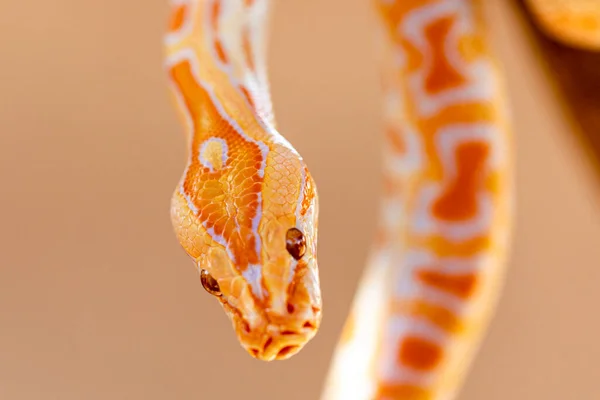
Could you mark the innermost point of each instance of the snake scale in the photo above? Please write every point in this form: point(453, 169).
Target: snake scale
point(246, 208)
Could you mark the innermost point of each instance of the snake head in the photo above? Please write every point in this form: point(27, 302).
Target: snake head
point(252, 231)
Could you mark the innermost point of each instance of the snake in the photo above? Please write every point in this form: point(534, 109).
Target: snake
point(246, 207)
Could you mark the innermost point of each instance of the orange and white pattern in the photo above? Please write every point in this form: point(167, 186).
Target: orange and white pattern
point(246, 208)
point(436, 267)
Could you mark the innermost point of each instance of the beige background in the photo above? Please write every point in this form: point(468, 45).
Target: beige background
point(97, 301)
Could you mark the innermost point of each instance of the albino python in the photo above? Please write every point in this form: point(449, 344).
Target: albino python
point(246, 208)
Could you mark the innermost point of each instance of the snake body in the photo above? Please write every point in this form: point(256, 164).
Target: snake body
point(246, 208)
point(438, 262)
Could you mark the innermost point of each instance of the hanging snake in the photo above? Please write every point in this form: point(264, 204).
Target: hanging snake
point(246, 207)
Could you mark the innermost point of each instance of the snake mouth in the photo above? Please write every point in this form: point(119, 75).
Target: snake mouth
point(280, 339)
point(274, 342)
point(278, 344)
point(275, 333)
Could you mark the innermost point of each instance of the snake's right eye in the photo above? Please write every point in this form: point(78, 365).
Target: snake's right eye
point(209, 283)
point(295, 243)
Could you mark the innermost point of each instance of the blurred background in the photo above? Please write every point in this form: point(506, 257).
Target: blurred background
point(97, 300)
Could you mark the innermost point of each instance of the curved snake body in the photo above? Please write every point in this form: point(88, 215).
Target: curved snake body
point(245, 189)
point(437, 265)
point(246, 208)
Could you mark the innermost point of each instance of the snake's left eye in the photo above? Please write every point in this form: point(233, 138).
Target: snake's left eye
point(209, 283)
point(295, 243)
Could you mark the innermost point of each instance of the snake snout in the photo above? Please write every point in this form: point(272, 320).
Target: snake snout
point(280, 344)
point(282, 341)
point(283, 331)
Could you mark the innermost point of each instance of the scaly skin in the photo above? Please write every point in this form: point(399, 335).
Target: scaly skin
point(244, 186)
point(246, 208)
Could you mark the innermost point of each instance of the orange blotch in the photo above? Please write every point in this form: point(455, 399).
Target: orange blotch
point(459, 201)
point(438, 315)
point(178, 17)
point(463, 113)
point(214, 15)
point(247, 95)
point(460, 285)
point(467, 248)
point(386, 391)
point(248, 3)
point(220, 51)
point(247, 48)
point(227, 199)
point(442, 75)
point(420, 354)
point(394, 12)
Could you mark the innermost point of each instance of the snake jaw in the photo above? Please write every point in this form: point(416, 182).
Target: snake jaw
point(279, 337)
point(279, 327)
point(273, 334)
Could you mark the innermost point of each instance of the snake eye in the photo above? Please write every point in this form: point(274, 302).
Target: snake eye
point(295, 243)
point(209, 283)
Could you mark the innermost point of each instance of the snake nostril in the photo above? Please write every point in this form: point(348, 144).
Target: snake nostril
point(287, 350)
point(267, 344)
point(245, 326)
point(309, 325)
